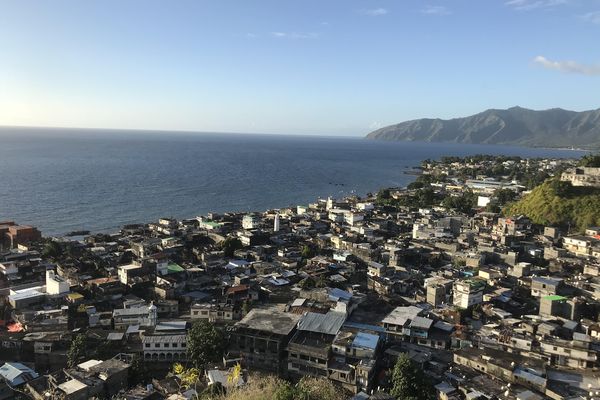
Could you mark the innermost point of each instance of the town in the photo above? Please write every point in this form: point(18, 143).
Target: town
point(435, 279)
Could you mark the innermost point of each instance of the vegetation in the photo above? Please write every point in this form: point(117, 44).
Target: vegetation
point(205, 344)
point(463, 203)
point(273, 388)
point(52, 250)
point(590, 160)
point(78, 350)
point(230, 245)
point(308, 252)
point(558, 203)
point(409, 382)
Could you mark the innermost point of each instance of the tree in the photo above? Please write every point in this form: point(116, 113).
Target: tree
point(409, 382)
point(591, 160)
point(138, 373)
point(188, 377)
point(78, 350)
point(205, 344)
point(307, 252)
point(52, 249)
point(504, 196)
point(230, 245)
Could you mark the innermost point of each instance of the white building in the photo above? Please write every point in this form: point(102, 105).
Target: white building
point(124, 272)
point(250, 221)
point(56, 285)
point(468, 292)
point(165, 347)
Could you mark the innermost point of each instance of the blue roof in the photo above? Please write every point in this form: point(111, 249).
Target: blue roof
point(17, 373)
point(365, 340)
point(335, 294)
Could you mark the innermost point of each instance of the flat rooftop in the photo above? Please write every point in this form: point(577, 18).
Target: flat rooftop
point(270, 319)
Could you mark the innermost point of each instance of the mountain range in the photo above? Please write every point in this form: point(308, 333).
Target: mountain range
point(515, 126)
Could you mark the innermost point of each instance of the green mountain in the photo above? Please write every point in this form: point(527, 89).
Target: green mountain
point(558, 203)
point(516, 126)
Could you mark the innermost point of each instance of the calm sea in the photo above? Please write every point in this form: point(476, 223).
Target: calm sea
point(65, 180)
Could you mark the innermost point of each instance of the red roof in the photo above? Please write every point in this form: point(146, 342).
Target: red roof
point(237, 289)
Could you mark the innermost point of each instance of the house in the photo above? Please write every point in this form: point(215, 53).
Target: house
point(261, 338)
point(17, 374)
point(468, 292)
point(546, 286)
point(215, 312)
point(141, 315)
point(310, 347)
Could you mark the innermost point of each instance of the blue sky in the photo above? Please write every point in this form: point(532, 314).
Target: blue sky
point(333, 67)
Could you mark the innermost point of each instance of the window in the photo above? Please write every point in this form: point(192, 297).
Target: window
point(147, 345)
point(167, 345)
point(174, 344)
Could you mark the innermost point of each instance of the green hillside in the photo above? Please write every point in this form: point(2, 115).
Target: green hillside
point(558, 203)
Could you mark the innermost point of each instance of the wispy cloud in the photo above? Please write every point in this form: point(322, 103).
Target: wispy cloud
point(571, 67)
point(436, 10)
point(251, 35)
point(375, 125)
point(295, 35)
point(375, 12)
point(526, 5)
point(593, 17)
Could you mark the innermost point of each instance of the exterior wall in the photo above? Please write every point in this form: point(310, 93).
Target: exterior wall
point(583, 176)
point(167, 348)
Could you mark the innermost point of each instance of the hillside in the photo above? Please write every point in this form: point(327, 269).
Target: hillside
point(515, 126)
point(558, 203)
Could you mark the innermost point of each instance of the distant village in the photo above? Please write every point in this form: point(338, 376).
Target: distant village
point(489, 306)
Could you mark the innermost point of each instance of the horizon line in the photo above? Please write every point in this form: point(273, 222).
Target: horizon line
point(178, 131)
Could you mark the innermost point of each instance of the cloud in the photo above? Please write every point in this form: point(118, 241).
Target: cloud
point(526, 5)
point(570, 67)
point(593, 17)
point(251, 35)
point(375, 12)
point(295, 35)
point(375, 125)
point(435, 10)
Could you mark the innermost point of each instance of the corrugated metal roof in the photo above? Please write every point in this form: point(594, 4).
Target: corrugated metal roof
point(365, 340)
point(328, 324)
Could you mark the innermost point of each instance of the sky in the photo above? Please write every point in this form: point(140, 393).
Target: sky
point(330, 67)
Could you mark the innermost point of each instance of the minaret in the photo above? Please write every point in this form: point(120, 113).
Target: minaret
point(152, 314)
point(276, 223)
point(329, 204)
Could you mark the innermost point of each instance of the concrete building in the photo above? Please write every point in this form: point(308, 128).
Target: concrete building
point(56, 285)
point(262, 336)
point(468, 292)
point(582, 176)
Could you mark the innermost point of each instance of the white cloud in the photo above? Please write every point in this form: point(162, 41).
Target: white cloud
point(526, 5)
point(295, 35)
point(251, 35)
point(571, 67)
point(435, 10)
point(593, 17)
point(375, 12)
point(375, 125)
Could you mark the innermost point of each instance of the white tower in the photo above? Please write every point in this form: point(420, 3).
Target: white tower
point(152, 314)
point(329, 204)
point(276, 223)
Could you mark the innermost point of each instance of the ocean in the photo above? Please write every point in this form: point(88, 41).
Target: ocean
point(62, 180)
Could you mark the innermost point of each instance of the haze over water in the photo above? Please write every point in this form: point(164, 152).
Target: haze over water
point(65, 180)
